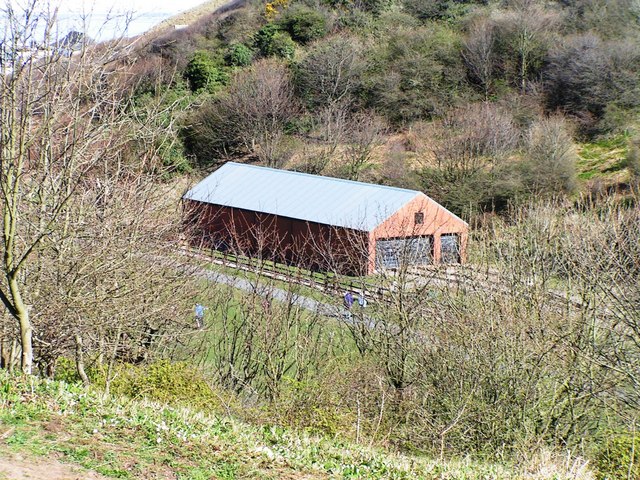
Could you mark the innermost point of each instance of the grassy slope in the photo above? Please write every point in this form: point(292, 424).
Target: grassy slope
point(121, 438)
point(604, 160)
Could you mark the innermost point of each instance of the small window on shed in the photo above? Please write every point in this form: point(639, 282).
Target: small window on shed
point(418, 218)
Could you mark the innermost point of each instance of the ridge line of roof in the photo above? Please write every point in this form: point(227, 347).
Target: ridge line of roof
point(335, 179)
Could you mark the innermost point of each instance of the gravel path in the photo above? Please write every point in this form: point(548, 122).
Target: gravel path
point(307, 303)
point(275, 293)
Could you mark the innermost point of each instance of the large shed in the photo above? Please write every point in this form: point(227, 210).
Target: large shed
point(321, 222)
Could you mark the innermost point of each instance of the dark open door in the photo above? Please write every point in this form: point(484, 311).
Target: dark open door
point(450, 248)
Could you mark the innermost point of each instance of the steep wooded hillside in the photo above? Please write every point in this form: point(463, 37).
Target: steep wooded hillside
point(479, 104)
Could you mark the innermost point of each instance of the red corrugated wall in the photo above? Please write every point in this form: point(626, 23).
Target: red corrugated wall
point(307, 244)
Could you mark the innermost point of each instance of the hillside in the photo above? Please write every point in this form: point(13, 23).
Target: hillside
point(479, 104)
point(121, 438)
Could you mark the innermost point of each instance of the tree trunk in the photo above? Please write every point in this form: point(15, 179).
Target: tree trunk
point(4, 355)
point(112, 360)
point(26, 334)
point(21, 313)
point(80, 361)
point(101, 348)
point(5, 349)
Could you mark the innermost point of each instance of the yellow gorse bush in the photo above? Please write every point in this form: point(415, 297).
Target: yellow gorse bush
point(271, 9)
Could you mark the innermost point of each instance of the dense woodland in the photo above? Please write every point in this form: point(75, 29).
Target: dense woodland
point(521, 116)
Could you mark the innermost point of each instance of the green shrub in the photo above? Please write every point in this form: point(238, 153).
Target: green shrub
point(282, 45)
point(304, 25)
point(427, 9)
point(439, 9)
point(66, 370)
point(313, 407)
point(414, 73)
point(484, 190)
point(203, 74)
point(355, 21)
point(374, 7)
point(170, 102)
point(264, 37)
point(163, 381)
point(173, 157)
point(272, 42)
point(619, 457)
point(238, 55)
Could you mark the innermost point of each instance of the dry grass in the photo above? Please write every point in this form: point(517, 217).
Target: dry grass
point(184, 18)
point(548, 464)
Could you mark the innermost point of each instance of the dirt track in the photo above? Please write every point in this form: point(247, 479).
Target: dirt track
point(17, 467)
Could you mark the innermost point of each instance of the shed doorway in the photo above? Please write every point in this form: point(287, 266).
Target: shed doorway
point(450, 248)
point(396, 252)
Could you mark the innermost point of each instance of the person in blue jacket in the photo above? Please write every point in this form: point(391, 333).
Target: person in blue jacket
point(348, 300)
point(199, 309)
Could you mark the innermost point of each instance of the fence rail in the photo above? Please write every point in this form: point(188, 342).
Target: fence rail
point(324, 281)
point(467, 278)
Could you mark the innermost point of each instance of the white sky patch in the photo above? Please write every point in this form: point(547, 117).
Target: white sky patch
point(106, 19)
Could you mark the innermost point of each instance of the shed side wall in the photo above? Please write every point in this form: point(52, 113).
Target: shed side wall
point(306, 244)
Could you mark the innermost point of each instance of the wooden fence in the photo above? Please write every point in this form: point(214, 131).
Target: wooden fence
point(465, 278)
point(328, 282)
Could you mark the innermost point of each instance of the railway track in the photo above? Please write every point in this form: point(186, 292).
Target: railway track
point(465, 279)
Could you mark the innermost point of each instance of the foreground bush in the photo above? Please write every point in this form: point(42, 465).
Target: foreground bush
point(619, 457)
point(162, 381)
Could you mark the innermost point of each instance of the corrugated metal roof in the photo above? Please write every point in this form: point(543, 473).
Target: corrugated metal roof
point(313, 198)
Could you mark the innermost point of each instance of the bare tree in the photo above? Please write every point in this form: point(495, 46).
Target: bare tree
point(249, 117)
point(331, 71)
point(472, 138)
point(117, 290)
point(78, 166)
point(551, 156)
point(468, 357)
point(528, 29)
point(328, 133)
point(57, 123)
point(365, 132)
point(479, 53)
point(587, 76)
point(263, 337)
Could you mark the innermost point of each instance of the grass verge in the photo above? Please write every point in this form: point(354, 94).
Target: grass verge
point(122, 438)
